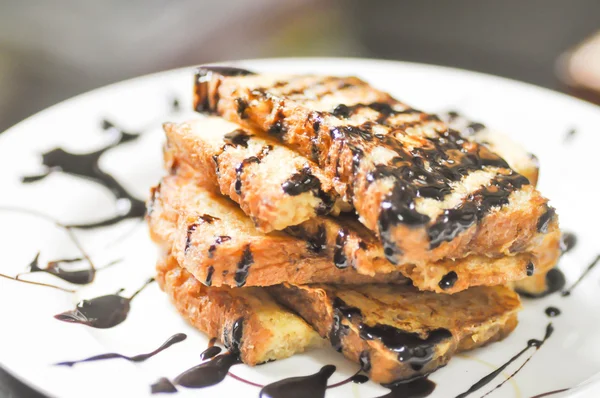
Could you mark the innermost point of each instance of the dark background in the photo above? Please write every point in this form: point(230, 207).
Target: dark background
point(52, 50)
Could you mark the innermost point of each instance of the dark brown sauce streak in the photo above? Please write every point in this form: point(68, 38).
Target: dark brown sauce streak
point(339, 256)
point(101, 312)
point(300, 182)
point(552, 312)
point(218, 241)
point(568, 241)
point(176, 338)
point(55, 268)
point(298, 387)
point(243, 266)
point(547, 394)
point(419, 387)
point(87, 166)
point(585, 273)
point(211, 372)
point(237, 138)
point(555, 281)
point(211, 351)
point(252, 159)
point(537, 344)
point(72, 237)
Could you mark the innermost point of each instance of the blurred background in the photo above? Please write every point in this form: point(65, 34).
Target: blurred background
point(53, 50)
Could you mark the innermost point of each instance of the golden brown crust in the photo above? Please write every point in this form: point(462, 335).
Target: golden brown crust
point(379, 138)
point(257, 173)
point(215, 241)
point(440, 324)
point(245, 319)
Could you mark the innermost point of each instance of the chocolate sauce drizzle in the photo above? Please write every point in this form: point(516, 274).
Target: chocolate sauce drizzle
point(339, 257)
point(87, 166)
point(252, 159)
point(552, 312)
point(211, 351)
point(537, 344)
point(218, 241)
point(549, 393)
point(54, 268)
point(299, 387)
point(555, 281)
point(101, 312)
point(237, 138)
point(448, 280)
point(300, 182)
point(243, 267)
point(585, 273)
point(568, 241)
point(176, 338)
point(419, 387)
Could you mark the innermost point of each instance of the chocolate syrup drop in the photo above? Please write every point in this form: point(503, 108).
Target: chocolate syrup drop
point(555, 281)
point(339, 256)
point(209, 373)
point(163, 385)
point(585, 273)
point(237, 138)
point(87, 166)
point(359, 379)
point(552, 312)
point(210, 352)
point(300, 182)
point(537, 344)
point(568, 241)
point(313, 386)
point(218, 241)
point(101, 312)
point(448, 280)
point(176, 338)
point(55, 268)
point(416, 388)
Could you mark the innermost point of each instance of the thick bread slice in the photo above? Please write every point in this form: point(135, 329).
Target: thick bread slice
point(247, 320)
point(425, 190)
point(273, 185)
point(217, 243)
point(523, 162)
point(397, 332)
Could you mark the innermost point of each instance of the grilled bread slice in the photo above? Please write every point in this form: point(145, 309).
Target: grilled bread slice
point(246, 320)
point(398, 333)
point(273, 185)
point(217, 243)
point(425, 190)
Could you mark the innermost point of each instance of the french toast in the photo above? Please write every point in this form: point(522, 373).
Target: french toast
point(246, 320)
point(398, 333)
point(272, 184)
point(426, 191)
point(523, 162)
point(216, 242)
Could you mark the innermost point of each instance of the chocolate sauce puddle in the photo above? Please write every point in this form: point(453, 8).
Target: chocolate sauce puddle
point(416, 388)
point(101, 312)
point(298, 387)
point(537, 344)
point(176, 338)
point(585, 273)
point(211, 351)
point(555, 281)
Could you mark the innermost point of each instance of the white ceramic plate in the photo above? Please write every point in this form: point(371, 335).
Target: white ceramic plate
point(31, 340)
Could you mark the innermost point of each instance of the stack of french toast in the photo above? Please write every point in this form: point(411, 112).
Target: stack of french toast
point(300, 210)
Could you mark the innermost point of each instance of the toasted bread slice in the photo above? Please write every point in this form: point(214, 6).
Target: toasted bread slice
point(273, 185)
point(397, 332)
point(523, 162)
point(247, 320)
point(217, 243)
point(425, 190)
